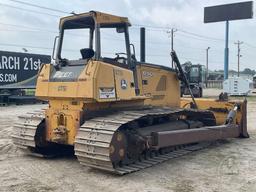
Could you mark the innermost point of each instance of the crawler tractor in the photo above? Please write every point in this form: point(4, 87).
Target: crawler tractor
point(118, 114)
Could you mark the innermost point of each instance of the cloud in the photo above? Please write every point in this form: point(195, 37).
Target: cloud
point(186, 15)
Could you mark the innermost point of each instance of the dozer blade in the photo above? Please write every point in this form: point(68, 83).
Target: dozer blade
point(173, 138)
point(221, 109)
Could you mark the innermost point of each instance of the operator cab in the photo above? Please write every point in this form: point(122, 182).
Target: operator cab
point(95, 36)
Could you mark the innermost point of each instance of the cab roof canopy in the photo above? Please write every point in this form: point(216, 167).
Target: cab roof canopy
point(89, 19)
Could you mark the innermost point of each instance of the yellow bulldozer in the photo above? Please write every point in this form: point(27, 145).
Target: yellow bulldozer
point(118, 114)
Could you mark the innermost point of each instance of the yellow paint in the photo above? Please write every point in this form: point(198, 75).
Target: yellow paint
point(213, 105)
point(72, 114)
point(71, 99)
point(101, 85)
point(162, 86)
point(99, 18)
point(158, 87)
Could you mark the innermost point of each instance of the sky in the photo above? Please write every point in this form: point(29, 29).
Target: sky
point(24, 26)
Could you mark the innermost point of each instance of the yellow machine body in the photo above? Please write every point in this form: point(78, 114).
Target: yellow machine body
point(115, 112)
point(99, 86)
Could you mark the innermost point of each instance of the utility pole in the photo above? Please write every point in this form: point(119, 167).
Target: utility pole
point(207, 69)
point(238, 43)
point(226, 56)
point(172, 40)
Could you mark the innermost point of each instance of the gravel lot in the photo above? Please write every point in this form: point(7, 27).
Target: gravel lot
point(226, 166)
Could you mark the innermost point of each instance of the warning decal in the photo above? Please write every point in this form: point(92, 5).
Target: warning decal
point(107, 92)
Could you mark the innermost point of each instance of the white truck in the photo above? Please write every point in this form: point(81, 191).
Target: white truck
point(254, 81)
point(237, 86)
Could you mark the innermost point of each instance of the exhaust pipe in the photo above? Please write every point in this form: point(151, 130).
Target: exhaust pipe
point(143, 44)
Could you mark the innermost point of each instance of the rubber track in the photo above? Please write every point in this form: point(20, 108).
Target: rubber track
point(94, 137)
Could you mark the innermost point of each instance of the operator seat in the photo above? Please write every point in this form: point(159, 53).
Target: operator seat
point(87, 53)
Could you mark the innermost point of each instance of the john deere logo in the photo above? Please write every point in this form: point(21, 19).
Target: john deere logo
point(123, 84)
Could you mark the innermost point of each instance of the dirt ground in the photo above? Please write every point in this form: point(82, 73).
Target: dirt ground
point(226, 166)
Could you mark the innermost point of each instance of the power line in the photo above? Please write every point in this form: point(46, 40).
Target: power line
point(19, 45)
point(16, 30)
point(188, 34)
point(74, 50)
point(39, 6)
point(249, 45)
point(197, 38)
point(28, 27)
point(34, 47)
point(201, 36)
point(181, 30)
point(150, 27)
point(184, 45)
point(29, 10)
point(185, 58)
point(39, 30)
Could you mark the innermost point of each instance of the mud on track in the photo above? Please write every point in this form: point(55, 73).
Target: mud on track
point(226, 166)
